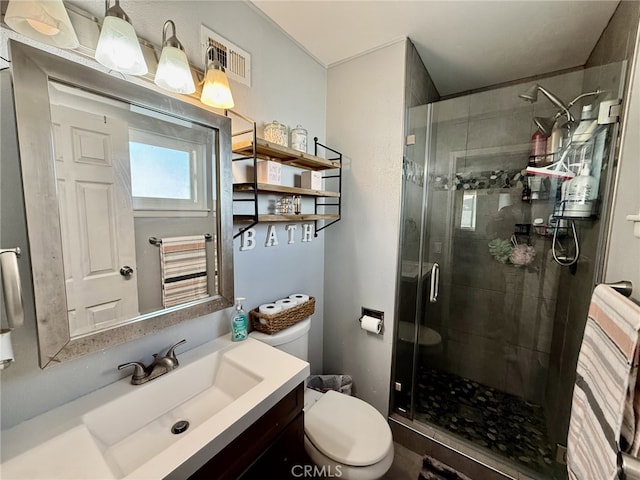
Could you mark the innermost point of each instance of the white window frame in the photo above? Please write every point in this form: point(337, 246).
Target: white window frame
point(470, 223)
point(197, 154)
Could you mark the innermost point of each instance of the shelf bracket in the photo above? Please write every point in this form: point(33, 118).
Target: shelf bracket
point(318, 205)
point(254, 158)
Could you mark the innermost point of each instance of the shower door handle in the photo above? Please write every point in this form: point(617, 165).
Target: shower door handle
point(435, 283)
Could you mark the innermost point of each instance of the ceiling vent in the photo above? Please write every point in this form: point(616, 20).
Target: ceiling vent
point(236, 61)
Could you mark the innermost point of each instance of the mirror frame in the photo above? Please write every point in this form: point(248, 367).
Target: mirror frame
point(32, 71)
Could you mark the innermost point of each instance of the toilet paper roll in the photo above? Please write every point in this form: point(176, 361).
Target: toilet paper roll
point(371, 324)
point(299, 297)
point(269, 308)
point(286, 303)
point(6, 349)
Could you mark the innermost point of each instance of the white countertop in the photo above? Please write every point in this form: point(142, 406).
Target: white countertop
point(59, 444)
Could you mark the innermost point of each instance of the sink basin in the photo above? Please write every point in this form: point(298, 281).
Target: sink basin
point(132, 429)
point(125, 431)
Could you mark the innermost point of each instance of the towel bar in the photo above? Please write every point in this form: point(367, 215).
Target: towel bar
point(11, 286)
point(623, 287)
point(630, 467)
point(157, 241)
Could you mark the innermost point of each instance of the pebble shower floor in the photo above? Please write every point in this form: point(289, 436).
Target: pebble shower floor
point(503, 423)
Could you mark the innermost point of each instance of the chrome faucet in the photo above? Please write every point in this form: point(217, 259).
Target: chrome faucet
point(159, 366)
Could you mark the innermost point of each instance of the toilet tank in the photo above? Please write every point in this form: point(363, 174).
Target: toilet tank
point(294, 339)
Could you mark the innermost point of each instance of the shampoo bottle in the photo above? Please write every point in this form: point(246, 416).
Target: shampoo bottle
point(580, 194)
point(239, 322)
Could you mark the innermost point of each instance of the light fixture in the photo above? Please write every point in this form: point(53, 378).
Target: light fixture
point(46, 21)
point(215, 91)
point(174, 73)
point(118, 47)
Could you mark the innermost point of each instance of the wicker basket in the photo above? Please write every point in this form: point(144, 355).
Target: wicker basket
point(271, 324)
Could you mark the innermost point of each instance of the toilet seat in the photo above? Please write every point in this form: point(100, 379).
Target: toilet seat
point(347, 472)
point(348, 431)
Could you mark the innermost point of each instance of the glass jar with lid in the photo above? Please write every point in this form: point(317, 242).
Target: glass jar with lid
point(277, 133)
point(299, 139)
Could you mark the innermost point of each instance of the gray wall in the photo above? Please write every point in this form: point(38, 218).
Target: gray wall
point(365, 113)
point(288, 85)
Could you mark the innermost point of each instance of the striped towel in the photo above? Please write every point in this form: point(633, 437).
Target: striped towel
point(183, 264)
point(603, 420)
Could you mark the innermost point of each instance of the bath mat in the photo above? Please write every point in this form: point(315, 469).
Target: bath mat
point(433, 469)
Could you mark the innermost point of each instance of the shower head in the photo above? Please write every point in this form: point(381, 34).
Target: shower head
point(545, 125)
point(531, 95)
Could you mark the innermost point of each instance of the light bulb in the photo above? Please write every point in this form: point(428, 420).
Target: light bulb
point(173, 72)
point(118, 47)
point(46, 21)
point(44, 28)
point(216, 91)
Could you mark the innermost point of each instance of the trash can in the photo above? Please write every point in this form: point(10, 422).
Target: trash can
point(324, 383)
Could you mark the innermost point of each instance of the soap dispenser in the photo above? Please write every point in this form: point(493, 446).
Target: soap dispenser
point(239, 322)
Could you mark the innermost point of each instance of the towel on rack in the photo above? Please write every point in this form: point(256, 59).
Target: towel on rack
point(602, 415)
point(183, 264)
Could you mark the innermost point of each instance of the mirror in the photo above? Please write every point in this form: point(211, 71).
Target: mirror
point(128, 204)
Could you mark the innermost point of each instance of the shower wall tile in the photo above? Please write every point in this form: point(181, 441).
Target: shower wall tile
point(617, 41)
point(608, 78)
point(473, 266)
point(477, 311)
point(419, 87)
point(497, 101)
point(476, 357)
point(510, 127)
point(449, 137)
point(526, 373)
point(532, 326)
point(453, 109)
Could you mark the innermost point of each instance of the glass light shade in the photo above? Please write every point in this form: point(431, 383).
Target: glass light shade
point(173, 72)
point(216, 92)
point(46, 21)
point(118, 47)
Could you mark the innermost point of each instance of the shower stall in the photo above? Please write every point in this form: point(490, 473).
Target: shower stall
point(489, 315)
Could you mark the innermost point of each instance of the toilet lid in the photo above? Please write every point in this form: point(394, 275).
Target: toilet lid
point(347, 430)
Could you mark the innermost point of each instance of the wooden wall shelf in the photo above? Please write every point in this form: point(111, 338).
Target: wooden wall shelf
point(255, 148)
point(287, 156)
point(268, 188)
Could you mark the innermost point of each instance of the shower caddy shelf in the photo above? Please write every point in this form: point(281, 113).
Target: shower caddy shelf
point(256, 148)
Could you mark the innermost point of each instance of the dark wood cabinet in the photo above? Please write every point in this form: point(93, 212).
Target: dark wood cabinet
point(269, 448)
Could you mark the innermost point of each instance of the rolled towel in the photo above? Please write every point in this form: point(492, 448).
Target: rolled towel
point(286, 303)
point(299, 297)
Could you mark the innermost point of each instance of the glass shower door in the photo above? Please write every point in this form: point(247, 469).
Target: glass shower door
point(476, 360)
point(492, 360)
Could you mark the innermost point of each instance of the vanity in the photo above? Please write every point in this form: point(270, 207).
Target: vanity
point(242, 401)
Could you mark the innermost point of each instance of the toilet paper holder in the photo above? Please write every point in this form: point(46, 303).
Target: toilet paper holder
point(372, 313)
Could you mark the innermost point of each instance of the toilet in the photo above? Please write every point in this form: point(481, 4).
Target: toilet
point(341, 433)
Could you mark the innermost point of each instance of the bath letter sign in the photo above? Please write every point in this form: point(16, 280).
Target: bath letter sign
point(248, 237)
